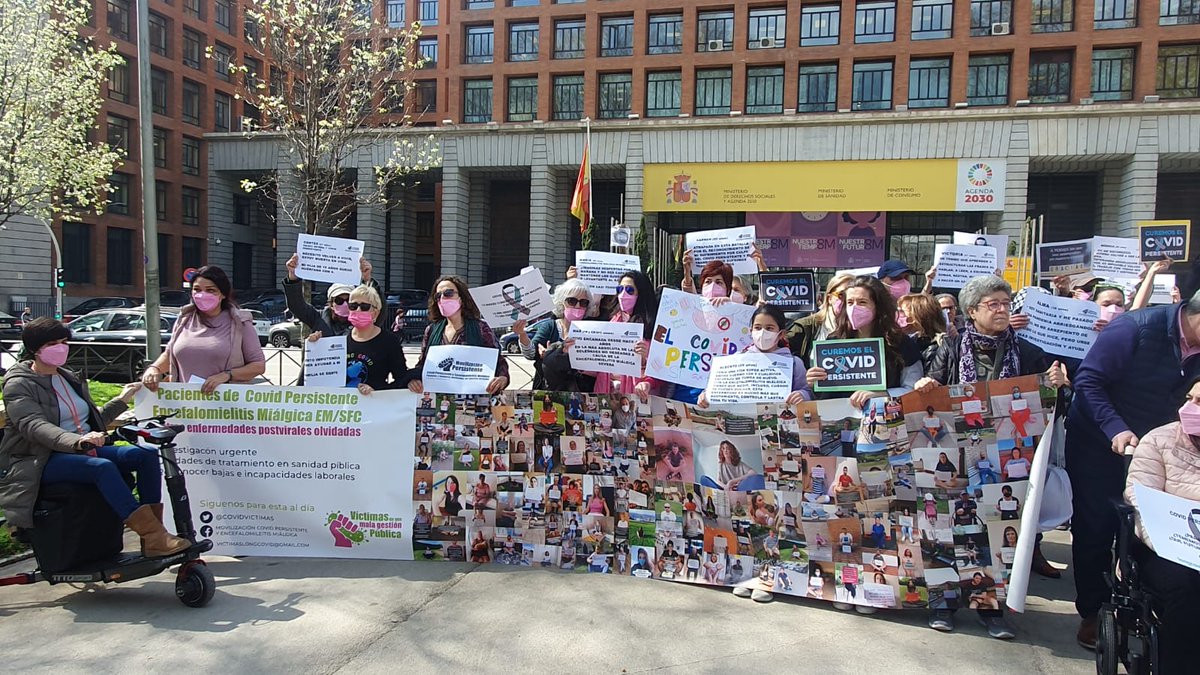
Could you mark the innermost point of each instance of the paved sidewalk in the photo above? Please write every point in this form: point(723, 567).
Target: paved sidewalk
point(280, 615)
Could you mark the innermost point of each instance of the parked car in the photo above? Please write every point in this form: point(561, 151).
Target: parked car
point(509, 342)
point(286, 333)
point(261, 326)
point(10, 326)
point(408, 298)
point(415, 321)
point(271, 302)
point(174, 299)
point(93, 304)
point(120, 337)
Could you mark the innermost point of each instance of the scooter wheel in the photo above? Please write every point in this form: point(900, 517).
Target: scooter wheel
point(1107, 655)
point(195, 585)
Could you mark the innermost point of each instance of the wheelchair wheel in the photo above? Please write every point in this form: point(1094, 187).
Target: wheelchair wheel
point(1107, 656)
point(195, 585)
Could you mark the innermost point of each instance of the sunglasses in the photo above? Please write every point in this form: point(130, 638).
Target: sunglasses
point(361, 307)
point(578, 302)
point(628, 290)
point(341, 300)
point(448, 293)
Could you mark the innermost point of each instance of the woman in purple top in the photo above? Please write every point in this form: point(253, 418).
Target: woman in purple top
point(213, 339)
point(454, 320)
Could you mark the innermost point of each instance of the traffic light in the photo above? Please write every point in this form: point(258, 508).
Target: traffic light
point(60, 277)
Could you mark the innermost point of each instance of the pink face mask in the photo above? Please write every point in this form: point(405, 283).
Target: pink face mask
point(449, 306)
point(713, 291)
point(204, 301)
point(902, 319)
point(627, 302)
point(1189, 418)
point(737, 297)
point(836, 305)
point(1110, 312)
point(900, 288)
point(860, 315)
point(342, 310)
point(574, 313)
point(54, 355)
point(360, 319)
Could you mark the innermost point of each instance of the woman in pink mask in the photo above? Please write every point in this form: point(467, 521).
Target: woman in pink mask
point(635, 302)
point(804, 332)
point(213, 339)
point(454, 319)
point(894, 274)
point(372, 354)
point(572, 302)
point(766, 332)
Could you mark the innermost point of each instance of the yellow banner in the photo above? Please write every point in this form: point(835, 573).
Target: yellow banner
point(884, 185)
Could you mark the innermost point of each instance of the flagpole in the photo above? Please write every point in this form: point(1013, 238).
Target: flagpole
point(587, 143)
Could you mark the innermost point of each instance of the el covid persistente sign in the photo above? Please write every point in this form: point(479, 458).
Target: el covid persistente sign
point(791, 292)
point(1164, 239)
point(851, 365)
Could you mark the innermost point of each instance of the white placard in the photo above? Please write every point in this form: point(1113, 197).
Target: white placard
point(750, 377)
point(606, 347)
point(459, 369)
point(1060, 326)
point(861, 271)
point(731, 246)
point(525, 296)
point(1116, 257)
point(1165, 518)
point(689, 332)
point(325, 362)
point(996, 241)
point(329, 259)
point(196, 379)
point(957, 264)
point(601, 271)
point(1163, 285)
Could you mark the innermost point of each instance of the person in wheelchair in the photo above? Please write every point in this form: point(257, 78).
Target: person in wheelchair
point(57, 435)
point(1168, 459)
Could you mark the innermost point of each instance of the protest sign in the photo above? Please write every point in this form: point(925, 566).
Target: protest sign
point(459, 369)
point(325, 362)
point(1173, 524)
point(522, 297)
point(732, 246)
point(1165, 239)
point(606, 347)
point(329, 259)
point(1164, 284)
point(830, 239)
point(851, 365)
point(285, 471)
point(1115, 257)
point(601, 271)
point(689, 331)
point(791, 292)
point(750, 377)
point(996, 241)
point(958, 264)
point(1060, 326)
point(1064, 257)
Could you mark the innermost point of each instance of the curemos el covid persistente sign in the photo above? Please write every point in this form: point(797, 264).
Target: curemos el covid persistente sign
point(1165, 239)
point(791, 292)
point(851, 365)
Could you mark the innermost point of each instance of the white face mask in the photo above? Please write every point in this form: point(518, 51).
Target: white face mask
point(765, 340)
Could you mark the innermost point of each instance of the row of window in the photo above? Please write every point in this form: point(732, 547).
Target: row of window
point(929, 81)
point(191, 99)
point(121, 263)
point(820, 25)
point(120, 134)
point(120, 191)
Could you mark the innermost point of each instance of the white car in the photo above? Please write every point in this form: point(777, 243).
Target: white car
point(261, 326)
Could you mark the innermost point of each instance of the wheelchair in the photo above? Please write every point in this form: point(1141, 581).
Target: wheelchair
point(1127, 630)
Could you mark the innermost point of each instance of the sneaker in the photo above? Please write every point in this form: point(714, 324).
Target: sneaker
point(997, 627)
point(863, 609)
point(844, 606)
point(942, 620)
point(761, 596)
point(1086, 637)
point(742, 591)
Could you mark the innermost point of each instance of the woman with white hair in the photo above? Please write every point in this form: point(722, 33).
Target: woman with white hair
point(372, 354)
point(572, 302)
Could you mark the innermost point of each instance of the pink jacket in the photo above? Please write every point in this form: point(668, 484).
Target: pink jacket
point(1165, 459)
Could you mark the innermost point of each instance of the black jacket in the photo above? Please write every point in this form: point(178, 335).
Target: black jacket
point(944, 365)
point(323, 321)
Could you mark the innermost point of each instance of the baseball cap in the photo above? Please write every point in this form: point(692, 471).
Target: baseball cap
point(892, 269)
point(338, 289)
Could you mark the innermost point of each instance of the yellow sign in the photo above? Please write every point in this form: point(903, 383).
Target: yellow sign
point(883, 185)
point(1018, 272)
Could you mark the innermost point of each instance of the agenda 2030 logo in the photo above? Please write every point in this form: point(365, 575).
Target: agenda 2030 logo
point(979, 174)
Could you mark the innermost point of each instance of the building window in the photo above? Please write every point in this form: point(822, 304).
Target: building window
point(77, 253)
point(222, 112)
point(251, 117)
point(395, 13)
point(986, 13)
point(193, 101)
point(616, 92)
point(872, 86)
point(253, 72)
point(160, 201)
point(764, 90)
point(666, 34)
point(875, 22)
point(223, 15)
point(663, 93)
point(523, 41)
point(1112, 74)
point(1050, 77)
point(118, 133)
point(427, 51)
point(768, 28)
point(568, 97)
point(160, 148)
point(426, 100)
point(819, 25)
point(714, 91)
point(522, 99)
point(616, 36)
point(568, 39)
point(243, 210)
point(191, 156)
point(120, 256)
point(160, 91)
point(189, 203)
point(118, 82)
point(480, 4)
point(118, 18)
point(1178, 12)
point(118, 193)
point(428, 12)
point(250, 30)
point(194, 8)
point(987, 79)
point(1179, 71)
point(222, 58)
point(1052, 16)
point(160, 34)
point(932, 19)
point(818, 88)
point(713, 28)
point(480, 44)
point(192, 254)
point(193, 49)
point(929, 83)
point(1115, 14)
point(477, 101)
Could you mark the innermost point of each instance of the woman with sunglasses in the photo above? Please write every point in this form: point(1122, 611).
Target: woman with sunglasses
point(572, 302)
point(635, 303)
point(454, 320)
point(334, 319)
point(372, 354)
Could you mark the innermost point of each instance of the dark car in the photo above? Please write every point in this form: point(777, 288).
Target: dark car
point(509, 342)
point(93, 304)
point(408, 298)
point(174, 299)
point(415, 321)
point(120, 342)
point(10, 326)
point(286, 333)
point(270, 301)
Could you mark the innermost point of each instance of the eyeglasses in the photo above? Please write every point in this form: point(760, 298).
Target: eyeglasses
point(448, 293)
point(997, 305)
point(341, 300)
point(627, 290)
point(361, 307)
point(578, 302)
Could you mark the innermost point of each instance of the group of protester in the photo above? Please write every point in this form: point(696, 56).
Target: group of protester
point(1125, 391)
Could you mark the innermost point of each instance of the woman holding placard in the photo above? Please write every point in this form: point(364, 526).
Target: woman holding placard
point(635, 303)
point(766, 333)
point(454, 320)
point(804, 332)
point(546, 347)
point(716, 281)
point(372, 353)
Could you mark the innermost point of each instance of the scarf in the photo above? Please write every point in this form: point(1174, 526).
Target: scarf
point(471, 334)
point(973, 341)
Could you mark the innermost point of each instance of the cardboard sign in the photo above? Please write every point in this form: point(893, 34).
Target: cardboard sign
point(606, 347)
point(957, 264)
point(851, 365)
point(750, 377)
point(459, 369)
point(1060, 326)
point(602, 271)
point(731, 246)
point(329, 259)
point(325, 362)
point(1165, 239)
point(525, 296)
point(791, 292)
point(689, 332)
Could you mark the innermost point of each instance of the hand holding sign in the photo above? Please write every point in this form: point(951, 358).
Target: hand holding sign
point(328, 259)
point(733, 246)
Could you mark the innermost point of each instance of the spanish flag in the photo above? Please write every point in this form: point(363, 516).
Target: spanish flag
point(581, 201)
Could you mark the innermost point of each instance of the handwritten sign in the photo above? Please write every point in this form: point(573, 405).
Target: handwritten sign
point(750, 377)
point(606, 347)
point(958, 264)
point(1171, 523)
point(522, 297)
point(325, 362)
point(731, 246)
point(996, 241)
point(791, 292)
point(1115, 257)
point(329, 259)
point(851, 365)
point(1165, 239)
point(459, 369)
point(689, 332)
point(1060, 326)
point(602, 271)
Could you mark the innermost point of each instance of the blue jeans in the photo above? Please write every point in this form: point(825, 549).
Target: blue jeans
point(987, 476)
point(105, 472)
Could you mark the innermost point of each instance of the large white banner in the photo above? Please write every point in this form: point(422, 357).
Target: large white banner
point(522, 297)
point(750, 376)
point(312, 472)
point(1171, 523)
point(689, 332)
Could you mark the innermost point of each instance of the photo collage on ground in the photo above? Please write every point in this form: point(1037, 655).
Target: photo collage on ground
point(916, 504)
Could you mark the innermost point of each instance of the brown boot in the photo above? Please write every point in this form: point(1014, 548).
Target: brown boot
point(158, 515)
point(1043, 566)
point(156, 541)
point(1087, 633)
